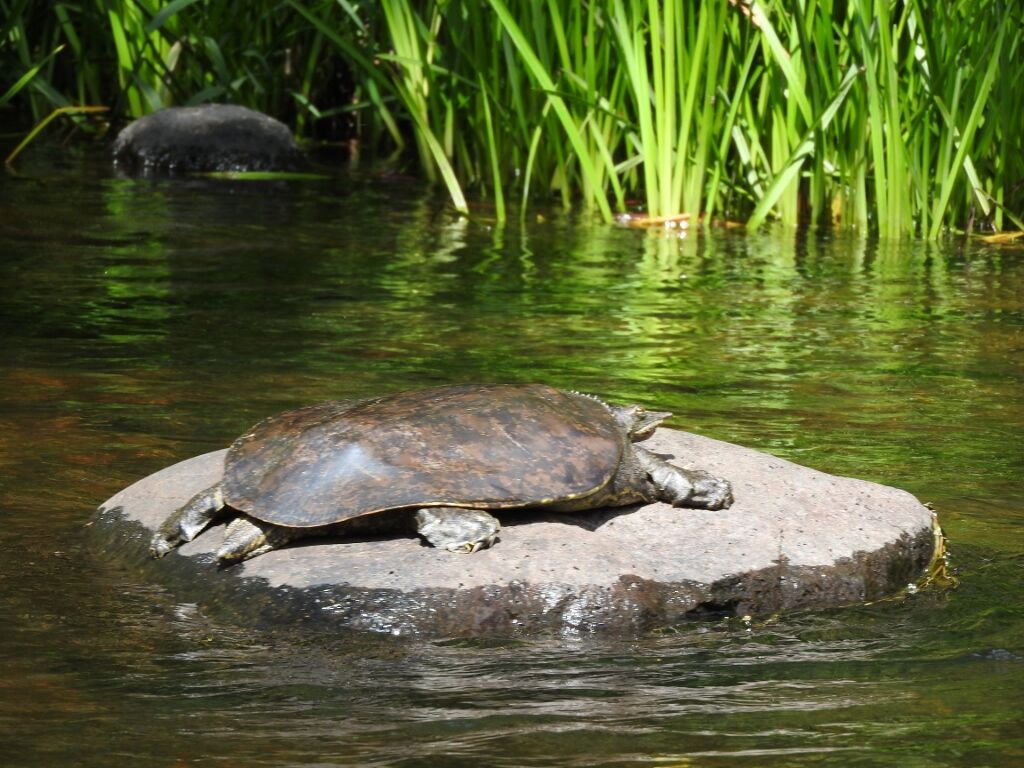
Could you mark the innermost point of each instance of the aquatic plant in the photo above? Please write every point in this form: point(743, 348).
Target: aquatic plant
point(901, 117)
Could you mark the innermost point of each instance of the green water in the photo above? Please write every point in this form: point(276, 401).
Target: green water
point(145, 322)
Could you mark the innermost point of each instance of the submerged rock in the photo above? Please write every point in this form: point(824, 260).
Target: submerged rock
point(212, 137)
point(795, 538)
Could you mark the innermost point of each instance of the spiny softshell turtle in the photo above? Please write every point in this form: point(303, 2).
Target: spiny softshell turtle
point(438, 458)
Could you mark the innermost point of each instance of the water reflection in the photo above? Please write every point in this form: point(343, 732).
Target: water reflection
point(157, 320)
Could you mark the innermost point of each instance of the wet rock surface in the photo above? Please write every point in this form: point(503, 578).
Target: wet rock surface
point(795, 538)
point(212, 137)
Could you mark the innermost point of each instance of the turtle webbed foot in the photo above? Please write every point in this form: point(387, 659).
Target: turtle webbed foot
point(709, 492)
point(246, 538)
point(161, 545)
point(188, 521)
point(457, 529)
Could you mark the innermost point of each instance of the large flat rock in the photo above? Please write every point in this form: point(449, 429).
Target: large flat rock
point(795, 538)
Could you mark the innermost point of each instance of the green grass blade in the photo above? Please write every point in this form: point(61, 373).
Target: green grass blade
point(535, 67)
point(801, 153)
point(126, 62)
point(24, 80)
point(492, 147)
point(783, 60)
point(633, 53)
point(9, 160)
point(968, 133)
point(167, 12)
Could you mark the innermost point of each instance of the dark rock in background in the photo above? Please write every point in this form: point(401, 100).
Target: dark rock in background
point(212, 137)
point(795, 538)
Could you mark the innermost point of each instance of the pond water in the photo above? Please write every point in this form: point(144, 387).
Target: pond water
point(143, 322)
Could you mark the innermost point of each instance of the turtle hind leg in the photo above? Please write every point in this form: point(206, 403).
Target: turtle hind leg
point(246, 537)
point(457, 529)
point(684, 487)
point(188, 521)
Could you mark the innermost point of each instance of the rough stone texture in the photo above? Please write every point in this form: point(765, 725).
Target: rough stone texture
point(794, 538)
point(212, 137)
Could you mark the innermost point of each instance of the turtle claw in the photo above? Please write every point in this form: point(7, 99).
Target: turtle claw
point(710, 492)
point(469, 547)
point(160, 546)
point(171, 535)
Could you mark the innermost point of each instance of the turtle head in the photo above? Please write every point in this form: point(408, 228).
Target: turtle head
point(637, 421)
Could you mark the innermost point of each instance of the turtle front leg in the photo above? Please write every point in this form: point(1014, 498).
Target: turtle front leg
point(188, 521)
point(457, 529)
point(684, 487)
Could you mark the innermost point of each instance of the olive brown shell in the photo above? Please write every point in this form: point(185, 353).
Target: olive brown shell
point(481, 446)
